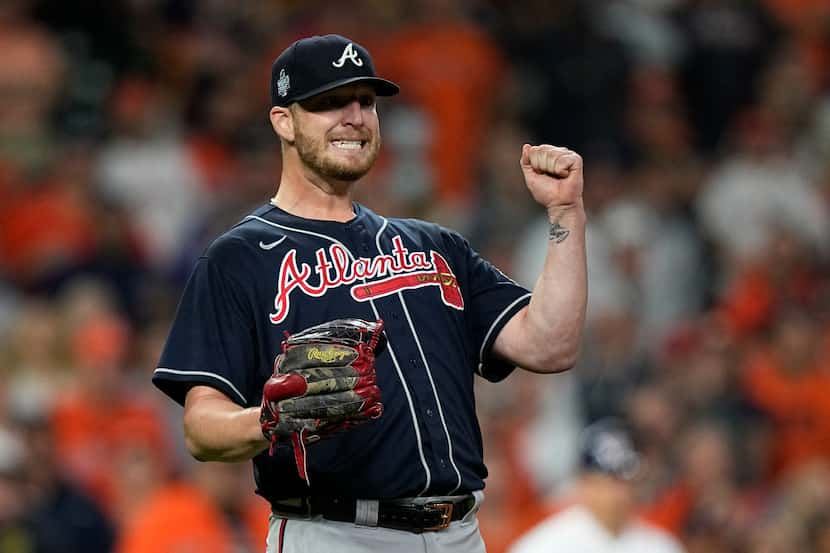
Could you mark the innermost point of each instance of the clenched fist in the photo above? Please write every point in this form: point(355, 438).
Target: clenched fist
point(553, 175)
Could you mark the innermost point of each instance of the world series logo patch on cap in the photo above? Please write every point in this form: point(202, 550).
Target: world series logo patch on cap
point(283, 83)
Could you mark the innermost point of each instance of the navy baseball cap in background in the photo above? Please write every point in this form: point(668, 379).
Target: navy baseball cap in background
point(608, 448)
point(319, 63)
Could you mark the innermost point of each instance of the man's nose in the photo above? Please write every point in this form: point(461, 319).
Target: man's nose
point(353, 113)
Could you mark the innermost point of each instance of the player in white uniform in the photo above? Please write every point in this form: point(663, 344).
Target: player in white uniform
point(602, 518)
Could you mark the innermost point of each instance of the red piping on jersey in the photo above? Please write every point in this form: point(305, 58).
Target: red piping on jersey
point(281, 535)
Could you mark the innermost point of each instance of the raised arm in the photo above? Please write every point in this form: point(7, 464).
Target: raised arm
point(545, 336)
point(217, 429)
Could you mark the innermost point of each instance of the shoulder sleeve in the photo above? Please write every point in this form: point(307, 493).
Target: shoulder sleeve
point(212, 339)
point(492, 300)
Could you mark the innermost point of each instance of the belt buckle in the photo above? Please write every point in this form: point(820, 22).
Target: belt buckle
point(446, 508)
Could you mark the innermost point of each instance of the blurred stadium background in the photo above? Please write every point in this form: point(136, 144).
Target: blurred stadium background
point(132, 131)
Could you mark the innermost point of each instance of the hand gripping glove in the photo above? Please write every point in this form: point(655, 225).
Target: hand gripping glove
point(324, 382)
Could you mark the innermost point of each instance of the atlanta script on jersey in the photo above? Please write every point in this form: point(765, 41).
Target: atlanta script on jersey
point(368, 278)
point(442, 305)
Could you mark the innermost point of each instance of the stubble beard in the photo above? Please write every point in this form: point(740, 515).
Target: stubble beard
point(313, 154)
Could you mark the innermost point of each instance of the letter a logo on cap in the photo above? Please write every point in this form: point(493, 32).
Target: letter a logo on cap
point(349, 53)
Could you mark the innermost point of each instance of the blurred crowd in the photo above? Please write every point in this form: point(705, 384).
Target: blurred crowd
point(134, 131)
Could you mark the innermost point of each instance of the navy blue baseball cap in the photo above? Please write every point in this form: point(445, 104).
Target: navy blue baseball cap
point(608, 448)
point(319, 63)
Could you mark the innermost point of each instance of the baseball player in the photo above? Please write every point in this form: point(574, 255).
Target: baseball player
point(363, 432)
point(601, 518)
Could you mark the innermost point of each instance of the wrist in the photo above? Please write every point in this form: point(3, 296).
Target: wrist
point(560, 212)
point(253, 422)
point(563, 220)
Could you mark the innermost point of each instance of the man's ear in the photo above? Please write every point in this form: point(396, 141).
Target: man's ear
point(282, 120)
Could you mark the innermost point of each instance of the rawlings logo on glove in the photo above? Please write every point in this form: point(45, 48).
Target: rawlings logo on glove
point(329, 354)
point(324, 382)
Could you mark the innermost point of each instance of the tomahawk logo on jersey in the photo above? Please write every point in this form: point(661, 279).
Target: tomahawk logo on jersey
point(442, 307)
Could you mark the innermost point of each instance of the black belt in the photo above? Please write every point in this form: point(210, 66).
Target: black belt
point(409, 515)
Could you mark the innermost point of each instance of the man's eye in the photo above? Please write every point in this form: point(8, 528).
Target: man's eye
point(328, 103)
point(332, 102)
point(324, 103)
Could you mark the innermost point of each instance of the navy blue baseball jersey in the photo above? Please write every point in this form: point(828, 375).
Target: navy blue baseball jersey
point(442, 305)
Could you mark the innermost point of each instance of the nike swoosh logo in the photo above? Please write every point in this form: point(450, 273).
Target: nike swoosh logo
point(272, 245)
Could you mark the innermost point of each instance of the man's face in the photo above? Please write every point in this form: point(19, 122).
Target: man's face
point(336, 133)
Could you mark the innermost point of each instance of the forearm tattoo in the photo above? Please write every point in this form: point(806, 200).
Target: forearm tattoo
point(557, 233)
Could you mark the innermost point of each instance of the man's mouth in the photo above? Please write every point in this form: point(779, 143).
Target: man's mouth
point(348, 144)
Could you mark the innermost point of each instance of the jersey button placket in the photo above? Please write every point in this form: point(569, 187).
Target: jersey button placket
point(364, 236)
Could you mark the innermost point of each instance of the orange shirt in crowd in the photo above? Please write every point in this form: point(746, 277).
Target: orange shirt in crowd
point(255, 515)
point(44, 227)
point(502, 527)
point(798, 13)
point(807, 20)
point(512, 506)
point(181, 518)
point(671, 509)
point(453, 72)
point(90, 435)
point(799, 406)
point(750, 301)
point(214, 162)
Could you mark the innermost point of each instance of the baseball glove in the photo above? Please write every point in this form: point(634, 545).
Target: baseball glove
point(324, 382)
